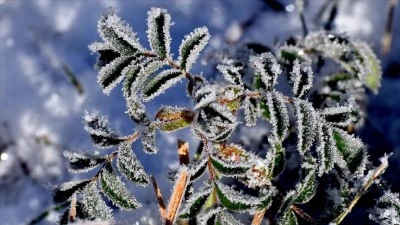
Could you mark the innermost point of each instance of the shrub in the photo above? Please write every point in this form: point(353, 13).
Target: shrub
point(314, 122)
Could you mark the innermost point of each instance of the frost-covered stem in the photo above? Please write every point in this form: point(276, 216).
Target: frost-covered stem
point(258, 217)
point(160, 200)
point(387, 37)
point(177, 196)
point(379, 171)
point(72, 211)
point(133, 137)
point(303, 214)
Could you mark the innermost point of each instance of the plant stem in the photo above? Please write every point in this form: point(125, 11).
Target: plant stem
point(379, 171)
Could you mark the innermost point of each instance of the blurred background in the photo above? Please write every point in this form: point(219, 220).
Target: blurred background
point(47, 81)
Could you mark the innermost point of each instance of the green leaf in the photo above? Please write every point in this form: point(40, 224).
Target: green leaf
point(229, 168)
point(66, 190)
point(307, 187)
point(115, 189)
point(351, 150)
point(286, 203)
point(157, 84)
point(118, 33)
point(80, 163)
point(250, 112)
point(306, 125)
point(373, 74)
point(289, 218)
point(159, 23)
point(326, 148)
point(276, 157)
point(130, 166)
point(93, 203)
point(172, 118)
point(279, 114)
point(191, 47)
point(195, 203)
point(301, 78)
point(234, 200)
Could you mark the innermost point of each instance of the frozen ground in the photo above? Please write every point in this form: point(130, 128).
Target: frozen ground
point(41, 111)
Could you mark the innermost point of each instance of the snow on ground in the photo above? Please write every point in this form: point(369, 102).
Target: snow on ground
point(41, 111)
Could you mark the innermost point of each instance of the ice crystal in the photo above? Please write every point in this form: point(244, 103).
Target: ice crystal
point(205, 95)
point(81, 163)
point(235, 200)
point(387, 211)
point(149, 140)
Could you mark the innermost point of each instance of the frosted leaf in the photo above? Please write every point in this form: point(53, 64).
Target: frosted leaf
point(307, 187)
point(132, 73)
point(149, 140)
point(158, 84)
point(82, 163)
point(147, 68)
point(250, 112)
point(326, 148)
point(66, 190)
point(268, 67)
point(340, 115)
point(278, 114)
point(215, 122)
point(106, 53)
point(286, 203)
point(228, 168)
point(210, 216)
point(351, 150)
point(191, 46)
point(275, 158)
point(159, 24)
point(225, 218)
point(136, 111)
point(113, 73)
point(306, 120)
point(197, 168)
point(235, 200)
point(373, 70)
point(99, 131)
point(301, 77)
point(195, 203)
point(205, 95)
point(130, 166)
point(387, 209)
point(173, 118)
point(118, 33)
point(289, 218)
point(115, 189)
point(94, 204)
point(231, 74)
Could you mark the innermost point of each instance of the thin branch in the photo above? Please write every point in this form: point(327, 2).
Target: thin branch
point(388, 36)
point(379, 171)
point(183, 152)
point(177, 196)
point(258, 217)
point(161, 204)
point(44, 214)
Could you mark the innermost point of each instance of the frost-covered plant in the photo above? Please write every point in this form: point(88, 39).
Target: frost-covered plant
point(317, 114)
